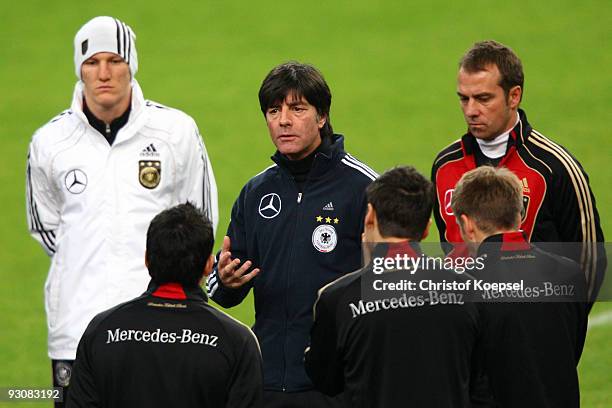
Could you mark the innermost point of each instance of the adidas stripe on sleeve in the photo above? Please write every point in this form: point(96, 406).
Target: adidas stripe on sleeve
point(359, 166)
point(42, 214)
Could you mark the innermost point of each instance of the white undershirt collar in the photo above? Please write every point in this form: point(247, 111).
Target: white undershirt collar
point(496, 147)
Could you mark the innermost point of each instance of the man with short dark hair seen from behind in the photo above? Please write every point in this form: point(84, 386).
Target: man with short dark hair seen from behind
point(169, 347)
point(558, 204)
point(531, 341)
point(393, 348)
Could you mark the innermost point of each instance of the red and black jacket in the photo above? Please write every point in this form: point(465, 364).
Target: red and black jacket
point(559, 205)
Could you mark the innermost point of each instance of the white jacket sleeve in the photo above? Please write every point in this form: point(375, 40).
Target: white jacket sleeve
point(42, 208)
point(201, 184)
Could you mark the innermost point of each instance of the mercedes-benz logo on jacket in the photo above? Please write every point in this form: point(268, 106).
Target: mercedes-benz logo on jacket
point(76, 181)
point(270, 205)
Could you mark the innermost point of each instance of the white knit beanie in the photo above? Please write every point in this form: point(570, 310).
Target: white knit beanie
point(105, 34)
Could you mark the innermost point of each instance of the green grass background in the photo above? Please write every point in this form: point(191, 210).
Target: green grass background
point(391, 66)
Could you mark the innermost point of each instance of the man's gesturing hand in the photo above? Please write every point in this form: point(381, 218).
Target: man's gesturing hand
point(230, 276)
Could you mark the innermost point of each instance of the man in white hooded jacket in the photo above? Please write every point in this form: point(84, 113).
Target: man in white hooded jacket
point(96, 176)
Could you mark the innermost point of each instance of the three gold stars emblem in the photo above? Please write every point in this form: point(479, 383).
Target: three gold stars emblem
point(328, 220)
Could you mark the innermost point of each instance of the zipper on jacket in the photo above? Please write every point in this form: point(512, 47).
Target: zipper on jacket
point(297, 221)
point(108, 129)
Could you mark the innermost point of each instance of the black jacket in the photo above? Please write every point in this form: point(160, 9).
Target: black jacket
point(531, 344)
point(166, 348)
point(393, 349)
point(300, 241)
point(558, 201)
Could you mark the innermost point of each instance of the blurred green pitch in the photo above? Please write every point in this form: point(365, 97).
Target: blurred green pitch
point(391, 66)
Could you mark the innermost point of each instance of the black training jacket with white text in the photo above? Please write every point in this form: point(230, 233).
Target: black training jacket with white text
point(167, 348)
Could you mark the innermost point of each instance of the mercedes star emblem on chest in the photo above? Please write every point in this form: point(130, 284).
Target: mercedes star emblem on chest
point(270, 205)
point(76, 181)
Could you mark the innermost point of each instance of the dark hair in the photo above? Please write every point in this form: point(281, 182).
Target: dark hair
point(493, 197)
point(491, 52)
point(403, 199)
point(296, 79)
point(179, 242)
